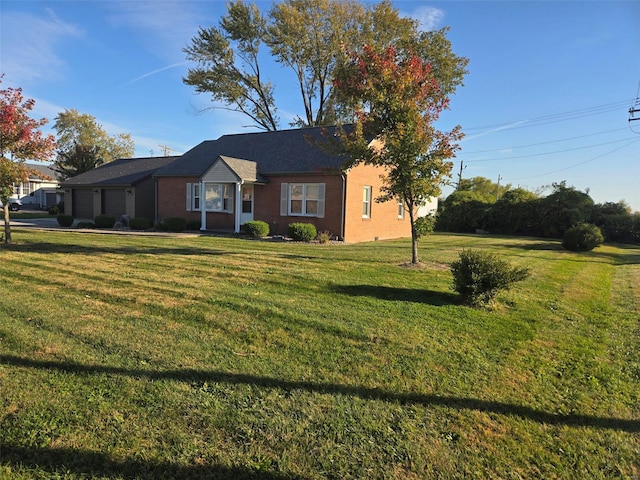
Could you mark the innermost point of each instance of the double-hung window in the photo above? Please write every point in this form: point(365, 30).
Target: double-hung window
point(216, 197)
point(400, 209)
point(195, 197)
point(302, 199)
point(366, 202)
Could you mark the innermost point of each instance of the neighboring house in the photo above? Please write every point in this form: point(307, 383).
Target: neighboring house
point(41, 191)
point(278, 177)
point(121, 187)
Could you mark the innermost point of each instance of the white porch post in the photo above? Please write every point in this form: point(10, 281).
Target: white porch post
point(203, 208)
point(238, 205)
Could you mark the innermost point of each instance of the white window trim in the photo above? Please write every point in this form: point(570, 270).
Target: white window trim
point(366, 201)
point(196, 197)
point(401, 209)
point(285, 200)
point(200, 197)
point(226, 192)
point(191, 189)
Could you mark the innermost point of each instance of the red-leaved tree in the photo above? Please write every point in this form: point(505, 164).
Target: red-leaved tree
point(394, 101)
point(20, 140)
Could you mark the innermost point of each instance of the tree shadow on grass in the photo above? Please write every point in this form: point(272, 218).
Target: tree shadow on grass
point(51, 247)
point(416, 295)
point(629, 255)
point(366, 393)
point(86, 464)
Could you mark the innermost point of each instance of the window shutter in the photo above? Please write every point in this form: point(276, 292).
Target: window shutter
point(189, 192)
point(321, 200)
point(284, 199)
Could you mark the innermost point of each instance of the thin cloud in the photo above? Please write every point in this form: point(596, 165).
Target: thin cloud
point(493, 130)
point(28, 46)
point(154, 72)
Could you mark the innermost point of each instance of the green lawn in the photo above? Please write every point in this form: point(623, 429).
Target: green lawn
point(127, 357)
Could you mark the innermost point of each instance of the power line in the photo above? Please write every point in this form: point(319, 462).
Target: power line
point(577, 164)
point(543, 143)
point(547, 153)
point(556, 117)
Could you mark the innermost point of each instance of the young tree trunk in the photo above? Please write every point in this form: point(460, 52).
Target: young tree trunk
point(414, 237)
point(7, 226)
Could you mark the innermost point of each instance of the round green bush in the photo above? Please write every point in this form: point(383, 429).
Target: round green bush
point(86, 225)
point(105, 221)
point(582, 238)
point(479, 276)
point(256, 228)
point(175, 224)
point(193, 224)
point(302, 232)
point(140, 223)
point(64, 220)
point(54, 210)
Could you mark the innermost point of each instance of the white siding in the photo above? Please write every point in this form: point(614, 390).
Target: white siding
point(219, 173)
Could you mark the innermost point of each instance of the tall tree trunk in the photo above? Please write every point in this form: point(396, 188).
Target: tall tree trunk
point(7, 225)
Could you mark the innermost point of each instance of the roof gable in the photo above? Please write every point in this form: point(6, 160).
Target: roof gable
point(281, 152)
point(245, 170)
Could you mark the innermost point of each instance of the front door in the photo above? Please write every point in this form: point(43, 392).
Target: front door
point(246, 214)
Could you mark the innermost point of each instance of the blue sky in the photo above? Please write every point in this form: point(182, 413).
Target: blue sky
point(546, 98)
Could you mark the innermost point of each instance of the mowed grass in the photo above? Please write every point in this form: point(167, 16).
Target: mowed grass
point(127, 357)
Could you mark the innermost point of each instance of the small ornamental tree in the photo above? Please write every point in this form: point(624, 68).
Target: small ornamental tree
point(20, 140)
point(394, 100)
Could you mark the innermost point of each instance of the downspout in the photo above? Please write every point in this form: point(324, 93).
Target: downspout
point(344, 203)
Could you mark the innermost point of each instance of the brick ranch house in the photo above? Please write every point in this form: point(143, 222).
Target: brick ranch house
point(278, 177)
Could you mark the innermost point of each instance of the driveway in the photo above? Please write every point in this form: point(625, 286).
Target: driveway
point(44, 222)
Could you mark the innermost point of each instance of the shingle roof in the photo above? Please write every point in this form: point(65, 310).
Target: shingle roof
point(123, 172)
point(45, 170)
point(280, 152)
point(244, 169)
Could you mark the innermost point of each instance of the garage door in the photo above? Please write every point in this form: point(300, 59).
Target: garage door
point(82, 201)
point(113, 202)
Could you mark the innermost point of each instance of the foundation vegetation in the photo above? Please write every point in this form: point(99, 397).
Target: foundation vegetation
point(126, 356)
point(302, 232)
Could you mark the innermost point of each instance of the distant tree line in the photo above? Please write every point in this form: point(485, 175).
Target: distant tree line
point(480, 204)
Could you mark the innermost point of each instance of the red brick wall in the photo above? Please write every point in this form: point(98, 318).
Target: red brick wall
point(383, 222)
point(267, 204)
point(172, 203)
point(172, 198)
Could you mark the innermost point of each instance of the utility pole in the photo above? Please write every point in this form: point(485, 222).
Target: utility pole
point(498, 187)
point(462, 167)
point(632, 111)
point(166, 149)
